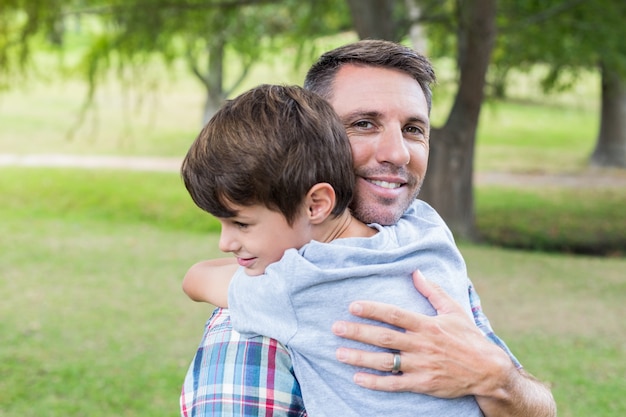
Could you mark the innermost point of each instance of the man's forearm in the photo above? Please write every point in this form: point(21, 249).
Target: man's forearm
point(522, 396)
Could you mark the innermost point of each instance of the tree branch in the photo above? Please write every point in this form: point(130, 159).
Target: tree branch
point(169, 5)
point(545, 15)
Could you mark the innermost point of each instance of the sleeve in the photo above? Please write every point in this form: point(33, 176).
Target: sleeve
point(261, 305)
point(233, 376)
point(482, 322)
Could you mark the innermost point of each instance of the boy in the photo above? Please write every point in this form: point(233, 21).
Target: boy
point(275, 167)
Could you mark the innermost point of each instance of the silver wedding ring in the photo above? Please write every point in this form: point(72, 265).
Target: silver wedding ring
point(396, 364)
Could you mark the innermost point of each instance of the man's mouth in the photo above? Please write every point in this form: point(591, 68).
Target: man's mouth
point(385, 184)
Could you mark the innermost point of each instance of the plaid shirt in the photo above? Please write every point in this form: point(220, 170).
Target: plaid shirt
point(234, 376)
point(482, 322)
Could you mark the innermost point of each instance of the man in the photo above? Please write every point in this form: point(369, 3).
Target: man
point(381, 92)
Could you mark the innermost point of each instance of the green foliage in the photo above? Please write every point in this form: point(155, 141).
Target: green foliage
point(24, 25)
point(440, 20)
point(131, 34)
point(567, 35)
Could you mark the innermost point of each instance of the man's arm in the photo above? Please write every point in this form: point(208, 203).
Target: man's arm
point(208, 281)
point(445, 356)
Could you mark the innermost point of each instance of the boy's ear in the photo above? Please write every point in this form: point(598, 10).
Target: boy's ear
point(320, 201)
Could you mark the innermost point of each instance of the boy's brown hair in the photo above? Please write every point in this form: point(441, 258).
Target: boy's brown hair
point(269, 146)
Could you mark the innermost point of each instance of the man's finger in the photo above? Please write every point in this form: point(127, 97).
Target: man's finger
point(383, 383)
point(386, 313)
point(371, 335)
point(438, 298)
point(381, 361)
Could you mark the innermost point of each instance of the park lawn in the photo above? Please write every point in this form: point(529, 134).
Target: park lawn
point(555, 219)
point(95, 323)
point(562, 315)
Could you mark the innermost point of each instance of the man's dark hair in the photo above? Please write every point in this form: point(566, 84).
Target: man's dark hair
point(375, 53)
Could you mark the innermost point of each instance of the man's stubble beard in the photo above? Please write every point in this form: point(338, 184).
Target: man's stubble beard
point(386, 212)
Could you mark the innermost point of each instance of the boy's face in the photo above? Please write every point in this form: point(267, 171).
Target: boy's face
point(258, 236)
point(386, 116)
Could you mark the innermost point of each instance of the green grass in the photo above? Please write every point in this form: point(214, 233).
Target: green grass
point(158, 199)
point(524, 137)
point(95, 323)
point(579, 220)
point(562, 315)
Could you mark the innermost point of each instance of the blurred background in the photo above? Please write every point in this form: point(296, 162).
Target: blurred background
point(100, 100)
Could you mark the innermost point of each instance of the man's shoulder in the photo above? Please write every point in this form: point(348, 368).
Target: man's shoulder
point(422, 212)
point(421, 221)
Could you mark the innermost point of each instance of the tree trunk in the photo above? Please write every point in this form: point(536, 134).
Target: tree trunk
point(373, 19)
point(448, 185)
point(214, 81)
point(610, 150)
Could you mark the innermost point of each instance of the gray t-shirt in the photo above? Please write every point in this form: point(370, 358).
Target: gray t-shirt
point(298, 299)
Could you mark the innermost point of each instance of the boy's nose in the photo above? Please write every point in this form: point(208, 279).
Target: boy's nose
point(227, 243)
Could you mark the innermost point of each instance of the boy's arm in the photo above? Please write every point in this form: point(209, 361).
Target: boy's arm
point(208, 281)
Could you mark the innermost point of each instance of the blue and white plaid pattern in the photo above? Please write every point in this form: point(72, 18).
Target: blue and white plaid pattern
point(234, 376)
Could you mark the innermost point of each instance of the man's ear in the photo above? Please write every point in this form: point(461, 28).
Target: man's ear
point(320, 202)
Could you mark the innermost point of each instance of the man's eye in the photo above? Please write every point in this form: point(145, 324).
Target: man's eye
point(363, 124)
point(414, 130)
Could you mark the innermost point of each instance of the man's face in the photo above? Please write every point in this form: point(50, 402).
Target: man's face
point(386, 116)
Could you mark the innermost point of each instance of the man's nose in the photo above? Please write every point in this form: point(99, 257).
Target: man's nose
point(392, 148)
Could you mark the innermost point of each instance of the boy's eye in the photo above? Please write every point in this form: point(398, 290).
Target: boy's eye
point(240, 225)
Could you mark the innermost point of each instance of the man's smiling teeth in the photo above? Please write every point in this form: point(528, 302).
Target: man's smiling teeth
point(385, 184)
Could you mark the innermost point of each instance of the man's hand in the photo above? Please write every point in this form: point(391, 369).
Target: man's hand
point(445, 356)
point(441, 356)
